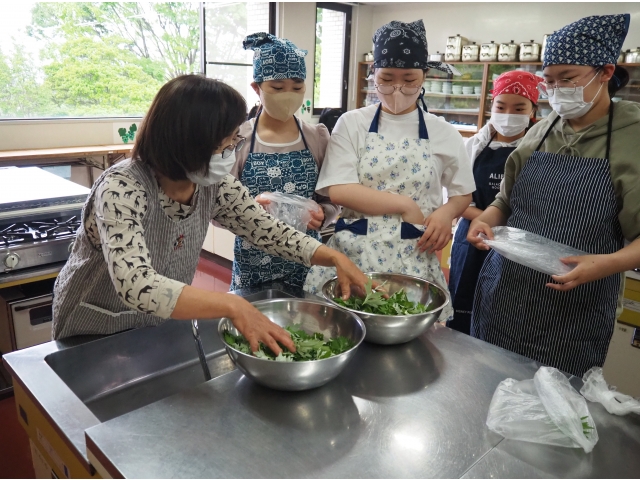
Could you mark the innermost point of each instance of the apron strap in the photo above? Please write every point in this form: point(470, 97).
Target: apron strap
point(255, 128)
point(422, 126)
point(253, 133)
point(547, 133)
point(609, 128)
point(373, 128)
point(304, 140)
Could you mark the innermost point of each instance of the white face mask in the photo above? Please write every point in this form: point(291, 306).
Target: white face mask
point(397, 101)
point(570, 104)
point(509, 124)
point(281, 106)
point(218, 169)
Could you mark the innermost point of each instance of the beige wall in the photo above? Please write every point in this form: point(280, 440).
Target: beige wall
point(482, 22)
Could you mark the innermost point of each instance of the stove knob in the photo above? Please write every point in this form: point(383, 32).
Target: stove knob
point(11, 261)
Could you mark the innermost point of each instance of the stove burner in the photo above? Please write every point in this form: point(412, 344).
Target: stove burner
point(34, 231)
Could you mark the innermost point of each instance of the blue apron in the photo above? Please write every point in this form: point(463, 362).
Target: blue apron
point(466, 260)
point(293, 172)
point(570, 200)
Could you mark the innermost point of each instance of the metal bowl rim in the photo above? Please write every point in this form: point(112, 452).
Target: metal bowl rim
point(277, 300)
point(446, 293)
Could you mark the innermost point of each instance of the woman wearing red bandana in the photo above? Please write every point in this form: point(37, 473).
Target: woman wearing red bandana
point(515, 98)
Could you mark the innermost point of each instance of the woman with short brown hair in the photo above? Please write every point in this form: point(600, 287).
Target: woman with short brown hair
point(146, 218)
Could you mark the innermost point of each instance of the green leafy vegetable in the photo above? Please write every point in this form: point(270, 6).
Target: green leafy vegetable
point(308, 346)
point(374, 302)
point(586, 428)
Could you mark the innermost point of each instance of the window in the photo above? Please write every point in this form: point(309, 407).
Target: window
point(92, 59)
point(333, 35)
point(225, 27)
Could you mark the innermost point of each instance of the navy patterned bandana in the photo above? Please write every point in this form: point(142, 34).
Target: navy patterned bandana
point(404, 45)
point(275, 58)
point(591, 41)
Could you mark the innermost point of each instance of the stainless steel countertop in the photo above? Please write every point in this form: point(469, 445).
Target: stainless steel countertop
point(413, 410)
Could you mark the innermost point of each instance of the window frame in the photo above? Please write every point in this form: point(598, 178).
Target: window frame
point(347, 10)
point(203, 38)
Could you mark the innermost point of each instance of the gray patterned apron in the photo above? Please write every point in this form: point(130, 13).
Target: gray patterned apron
point(85, 299)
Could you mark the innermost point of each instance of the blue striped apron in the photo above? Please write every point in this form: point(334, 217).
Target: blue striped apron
point(466, 260)
point(570, 200)
point(292, 172)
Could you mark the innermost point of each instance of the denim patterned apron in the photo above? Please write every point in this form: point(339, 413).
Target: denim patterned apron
point(570, 200)
point(385, 243)
point(293, 172)
point(466, 260)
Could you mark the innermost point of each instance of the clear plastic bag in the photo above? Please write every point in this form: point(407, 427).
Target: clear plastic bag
point(532, 250)
point(545, 410)
point(595, 389)
point(293, 210)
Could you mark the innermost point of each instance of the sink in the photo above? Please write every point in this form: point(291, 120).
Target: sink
point(129, 370)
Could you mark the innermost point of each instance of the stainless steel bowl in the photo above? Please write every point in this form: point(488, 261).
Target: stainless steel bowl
point(393, 329)
point(312, 316)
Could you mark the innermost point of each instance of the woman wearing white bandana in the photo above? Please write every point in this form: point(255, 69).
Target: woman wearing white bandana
point(387, 164)
point(573, 179)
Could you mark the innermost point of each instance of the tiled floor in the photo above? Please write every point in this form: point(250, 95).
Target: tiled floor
point(15, 456)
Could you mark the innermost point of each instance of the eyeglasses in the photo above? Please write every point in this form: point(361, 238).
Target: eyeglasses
point(565, 85)
point(231, 148)
point(405, 89)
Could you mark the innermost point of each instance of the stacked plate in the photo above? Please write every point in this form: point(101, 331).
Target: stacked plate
point(456, 90)
point(467, 90)
point(446, 88)
point(477, 90)
point(436, 87)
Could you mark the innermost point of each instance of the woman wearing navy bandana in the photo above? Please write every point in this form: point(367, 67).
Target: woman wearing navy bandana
point(387, 164)
point(282, 154)
point(573, 179)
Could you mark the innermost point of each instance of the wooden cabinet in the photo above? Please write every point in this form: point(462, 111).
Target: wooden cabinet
point(465, 101)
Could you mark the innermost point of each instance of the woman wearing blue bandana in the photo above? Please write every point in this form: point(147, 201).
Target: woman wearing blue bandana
point(282, 154)
point(387, 165)
point(574, 179)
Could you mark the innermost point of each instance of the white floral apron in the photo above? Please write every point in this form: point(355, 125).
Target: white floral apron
point(385, 243)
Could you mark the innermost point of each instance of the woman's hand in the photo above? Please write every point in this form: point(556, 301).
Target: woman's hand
point(317, 219)
point(438, 232)
point(475, 229)
point(260, 200)
point(348, 274)
point(588, 269)
point(256, 327)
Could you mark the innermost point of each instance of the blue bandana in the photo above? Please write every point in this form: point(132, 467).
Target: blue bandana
point(404, 45)
point(591, 41)
point(275, 58)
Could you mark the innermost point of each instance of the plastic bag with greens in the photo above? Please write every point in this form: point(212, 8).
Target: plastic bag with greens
point(545, 410)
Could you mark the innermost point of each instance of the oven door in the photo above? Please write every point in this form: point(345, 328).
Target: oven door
point(31, 319)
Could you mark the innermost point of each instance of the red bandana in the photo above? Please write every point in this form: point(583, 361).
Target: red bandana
point(517, 82)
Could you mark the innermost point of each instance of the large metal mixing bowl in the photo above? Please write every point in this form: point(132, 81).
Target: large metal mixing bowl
point(393, 329)
point(312, 316)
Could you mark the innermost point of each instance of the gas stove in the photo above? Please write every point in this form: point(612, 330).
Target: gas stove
point(37, 239)
point(39, 217)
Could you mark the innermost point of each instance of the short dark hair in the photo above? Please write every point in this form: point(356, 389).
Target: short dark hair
point(188, 119)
